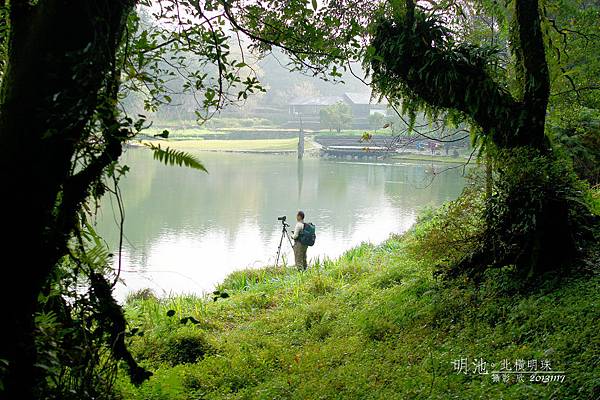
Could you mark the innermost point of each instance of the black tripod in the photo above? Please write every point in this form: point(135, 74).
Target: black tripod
point(284, 233)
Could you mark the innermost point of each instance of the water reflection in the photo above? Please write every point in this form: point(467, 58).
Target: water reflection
point(185, 230)
point(300, 175)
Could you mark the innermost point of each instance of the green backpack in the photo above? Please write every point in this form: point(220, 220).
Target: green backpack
point(308, 235)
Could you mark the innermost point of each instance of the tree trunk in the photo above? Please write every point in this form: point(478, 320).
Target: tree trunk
point(536, 79)
point(60, 52)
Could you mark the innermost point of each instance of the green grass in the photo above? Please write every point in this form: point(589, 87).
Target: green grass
point(265, 145)
point(373, 324)
point(426, 157)
point(193, 133)
point(595, 199)
point(188, 129)
point(182, 133)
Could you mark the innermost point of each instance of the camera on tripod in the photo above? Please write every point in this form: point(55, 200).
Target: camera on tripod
point(284, 233)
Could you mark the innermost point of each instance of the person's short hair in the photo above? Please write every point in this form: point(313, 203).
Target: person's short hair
point(301, 214)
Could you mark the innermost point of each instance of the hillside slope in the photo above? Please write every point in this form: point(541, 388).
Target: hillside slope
point(373, 324)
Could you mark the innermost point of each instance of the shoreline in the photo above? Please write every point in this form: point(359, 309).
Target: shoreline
point(282, 147)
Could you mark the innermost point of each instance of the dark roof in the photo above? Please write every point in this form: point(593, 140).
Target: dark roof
point(362, 98)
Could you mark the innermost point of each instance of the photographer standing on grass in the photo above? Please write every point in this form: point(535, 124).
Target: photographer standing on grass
point(299, 248)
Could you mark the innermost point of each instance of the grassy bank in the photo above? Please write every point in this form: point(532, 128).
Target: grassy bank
point(373, 324)
point(258, 145)
point(426, 157)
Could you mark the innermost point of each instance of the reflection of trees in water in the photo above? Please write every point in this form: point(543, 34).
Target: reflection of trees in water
point(411, 186)
point(243, 189)
point(367, 187)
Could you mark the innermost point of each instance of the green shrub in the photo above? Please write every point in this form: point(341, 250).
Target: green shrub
point(234, 122)
point(388, 278)
point(246, 278)
point(179, 344)
point(255, 301)
point(537, 217)
point(445, 236)
point(594, 201)
point(320, 284)
point(185, 345)
point(141, 294)
point(579, 137)
point(319, 318)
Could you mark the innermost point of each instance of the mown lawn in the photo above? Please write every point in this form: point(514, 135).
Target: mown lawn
point(373, 324)
point(266, 145)
point(182, 133)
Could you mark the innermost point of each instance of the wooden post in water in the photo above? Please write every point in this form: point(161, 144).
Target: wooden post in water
point(300, 139)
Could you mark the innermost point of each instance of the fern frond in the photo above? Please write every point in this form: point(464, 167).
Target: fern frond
point(175, 157)
point(97, 256)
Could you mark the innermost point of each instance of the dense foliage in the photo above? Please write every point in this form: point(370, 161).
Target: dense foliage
point(579, 137)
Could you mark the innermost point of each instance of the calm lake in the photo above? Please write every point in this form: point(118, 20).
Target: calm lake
point(186, 230)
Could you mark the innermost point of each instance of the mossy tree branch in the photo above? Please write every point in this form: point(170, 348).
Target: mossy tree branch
point(415, 57)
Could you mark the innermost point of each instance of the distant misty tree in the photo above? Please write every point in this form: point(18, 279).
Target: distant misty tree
point(337, 116)
point(395, 123)
point(376, 120)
